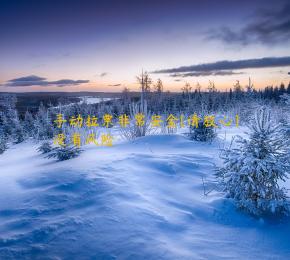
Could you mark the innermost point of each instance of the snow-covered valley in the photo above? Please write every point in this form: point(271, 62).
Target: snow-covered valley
point(136, 200)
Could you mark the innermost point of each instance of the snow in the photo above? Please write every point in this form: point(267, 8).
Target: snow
point(136, 200)
point(93, 100)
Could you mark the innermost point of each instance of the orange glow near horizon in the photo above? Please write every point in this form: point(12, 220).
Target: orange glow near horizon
point(260, 78)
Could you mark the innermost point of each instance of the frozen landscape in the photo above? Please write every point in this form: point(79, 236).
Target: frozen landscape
point(138, 130)
point(152, 198)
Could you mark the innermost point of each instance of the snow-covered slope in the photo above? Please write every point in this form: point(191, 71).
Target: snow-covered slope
point(135, 200)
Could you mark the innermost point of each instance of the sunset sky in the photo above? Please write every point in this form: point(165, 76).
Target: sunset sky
point(103, 45)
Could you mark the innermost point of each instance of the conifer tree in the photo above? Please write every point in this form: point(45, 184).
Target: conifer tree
point(62, 153)
point(202, 133)
point(253, 170)
point(28, 125)
point(43, 124)
point(45, 147)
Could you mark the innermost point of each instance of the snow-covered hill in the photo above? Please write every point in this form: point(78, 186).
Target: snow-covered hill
point(135, 200)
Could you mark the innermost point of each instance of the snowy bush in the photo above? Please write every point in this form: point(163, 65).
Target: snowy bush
point(253, 170)
point(64, 152)
point(45, 147)
point(133, 130)
point(202, 133)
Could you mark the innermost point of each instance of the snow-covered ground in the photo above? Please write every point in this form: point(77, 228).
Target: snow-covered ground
point(136, 200)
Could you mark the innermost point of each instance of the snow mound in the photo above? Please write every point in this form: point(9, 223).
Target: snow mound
point(135, 200)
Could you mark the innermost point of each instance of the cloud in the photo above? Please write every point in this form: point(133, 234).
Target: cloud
point(33, 80)
point(267, 27)
point(103, 74)
point(226, 67)
point(206, 73)
point(115, 85)
point(67, 82)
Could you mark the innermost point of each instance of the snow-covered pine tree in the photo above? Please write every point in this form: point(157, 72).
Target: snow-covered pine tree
point(28, 125)
point(45, 147)
point(62, 153)
point(18, 134)
point(11, 124)
point(43, 124)
point(202, 133)
point(253, 170)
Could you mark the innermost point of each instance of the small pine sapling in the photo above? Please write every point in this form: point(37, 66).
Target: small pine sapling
point(63, 153)
point(202, 133)
point(45, 147)
point(253, 170)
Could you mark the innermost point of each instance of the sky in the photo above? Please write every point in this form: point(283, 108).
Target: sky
point(85, 45)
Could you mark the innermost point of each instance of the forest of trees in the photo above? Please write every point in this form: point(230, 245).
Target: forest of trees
point(16, 127)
